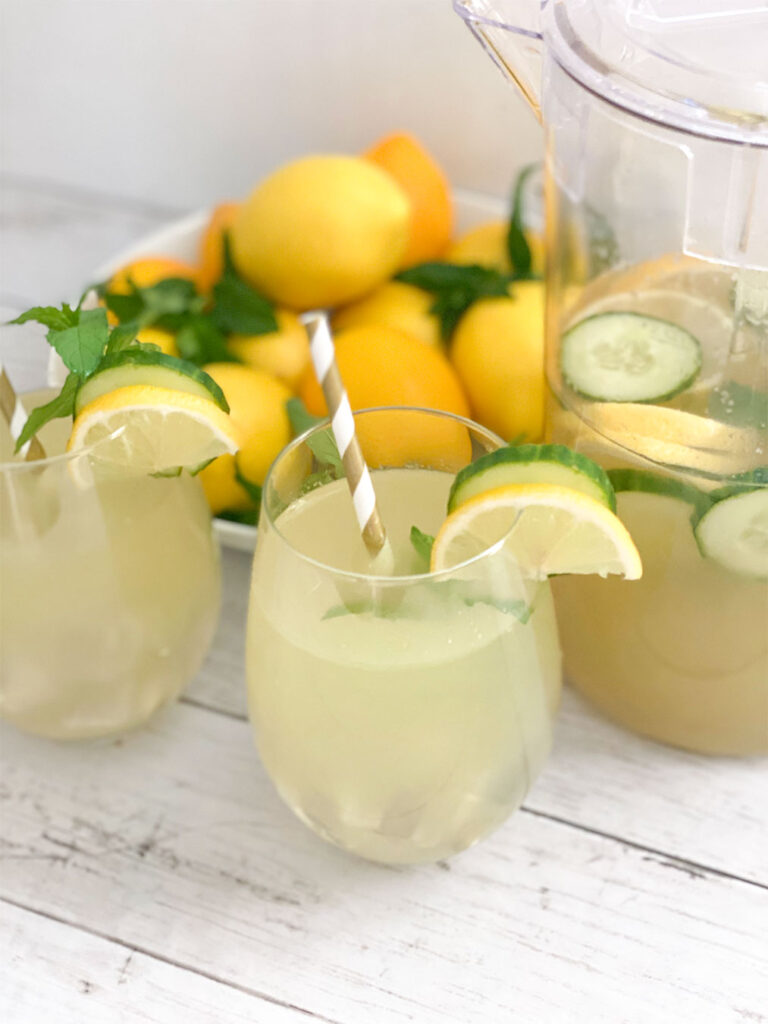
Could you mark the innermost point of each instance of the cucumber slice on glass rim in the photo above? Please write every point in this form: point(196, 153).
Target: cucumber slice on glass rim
point(139, 366)
point(733, 531)
point(629, 357)
point(532, 463)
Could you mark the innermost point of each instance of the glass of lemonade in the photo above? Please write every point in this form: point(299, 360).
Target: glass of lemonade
point(401, 714)
point(109, 591)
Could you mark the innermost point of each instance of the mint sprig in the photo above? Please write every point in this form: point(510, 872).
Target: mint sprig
point(457, 286)
point(201, 323)
point(85, 343)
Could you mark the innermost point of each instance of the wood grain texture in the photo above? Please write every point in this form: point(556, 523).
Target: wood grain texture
point(50, 971)
point(172, 840)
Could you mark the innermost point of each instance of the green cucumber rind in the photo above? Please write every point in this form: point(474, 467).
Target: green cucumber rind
point(681, 386)
point(643, 480)
point(751, 480)
point(715, 509)
point(141, 358)
point(527, 454)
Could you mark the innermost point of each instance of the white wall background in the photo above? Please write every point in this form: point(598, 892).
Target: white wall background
point(178, 103)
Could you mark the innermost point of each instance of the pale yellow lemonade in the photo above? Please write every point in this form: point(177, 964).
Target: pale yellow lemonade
point(109, 592)
point(406, 717)
point(680, 655)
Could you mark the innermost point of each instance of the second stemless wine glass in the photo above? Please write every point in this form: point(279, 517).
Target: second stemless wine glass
point(401, 717)
point(109, 591)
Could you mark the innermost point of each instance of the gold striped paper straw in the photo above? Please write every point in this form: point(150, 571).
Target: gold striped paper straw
point(15, 416)
point(343, 427)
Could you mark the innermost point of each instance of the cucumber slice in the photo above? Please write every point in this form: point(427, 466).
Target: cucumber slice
point(532, 463)
point(734, 530)
point(140, 366)
point(629, 357)
point(664, 486)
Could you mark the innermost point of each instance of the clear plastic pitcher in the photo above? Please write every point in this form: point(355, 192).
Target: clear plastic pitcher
point(655, 114)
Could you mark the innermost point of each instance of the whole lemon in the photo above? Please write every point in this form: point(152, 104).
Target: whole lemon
point(321, 231)
point(381, 365)
point(257, 406)
point(498, 352)
point(284, 353)
point(395, 304)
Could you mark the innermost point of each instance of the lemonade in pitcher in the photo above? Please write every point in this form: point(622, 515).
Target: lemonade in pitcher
point(683, 653)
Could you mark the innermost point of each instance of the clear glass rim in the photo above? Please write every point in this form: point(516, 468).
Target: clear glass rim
point(376, 579)
point(20, 465)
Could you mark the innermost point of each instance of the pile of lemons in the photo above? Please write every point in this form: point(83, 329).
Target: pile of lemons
point(331, 232)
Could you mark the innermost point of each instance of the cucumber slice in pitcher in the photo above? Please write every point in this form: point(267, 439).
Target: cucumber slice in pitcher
point(629, 357)
point(665, 486)
point(532, 463)
point(733, 531)
point(139, 366)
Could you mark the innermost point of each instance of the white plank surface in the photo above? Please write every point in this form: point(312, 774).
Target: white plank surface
point(173, 840)
point(50, 971)
point(633, 889)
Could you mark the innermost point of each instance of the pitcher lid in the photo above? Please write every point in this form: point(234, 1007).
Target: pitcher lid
point(699, 66)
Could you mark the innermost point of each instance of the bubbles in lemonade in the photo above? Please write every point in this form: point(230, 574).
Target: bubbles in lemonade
point(401, 720)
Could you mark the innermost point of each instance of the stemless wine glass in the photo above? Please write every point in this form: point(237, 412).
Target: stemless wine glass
point(109, 592)
point(401, 716)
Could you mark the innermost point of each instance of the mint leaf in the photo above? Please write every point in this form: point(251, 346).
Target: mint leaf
point(123, 336)
point(172, 295)
point(62, 405)
point(299, 417)
point(82, 345)
point(200, 341)
point(517, 244)
point(252, 489)
point(322, 444)
point(422, 543)
point(238, 308)
point(246, 516)
point(50, 316)
point(455, 287)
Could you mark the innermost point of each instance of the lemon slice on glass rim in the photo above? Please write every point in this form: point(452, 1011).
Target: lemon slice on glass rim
point(548, 530)
point(145, 429)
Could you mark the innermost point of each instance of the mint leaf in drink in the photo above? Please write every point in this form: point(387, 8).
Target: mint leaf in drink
point(56, 318)
point(517, 244)
point(62, 405)
point(422, 543)
point(455, 287)
point(82, 345)
point(237, 307)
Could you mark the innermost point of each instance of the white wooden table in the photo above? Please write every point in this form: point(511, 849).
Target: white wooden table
point(159, 878)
